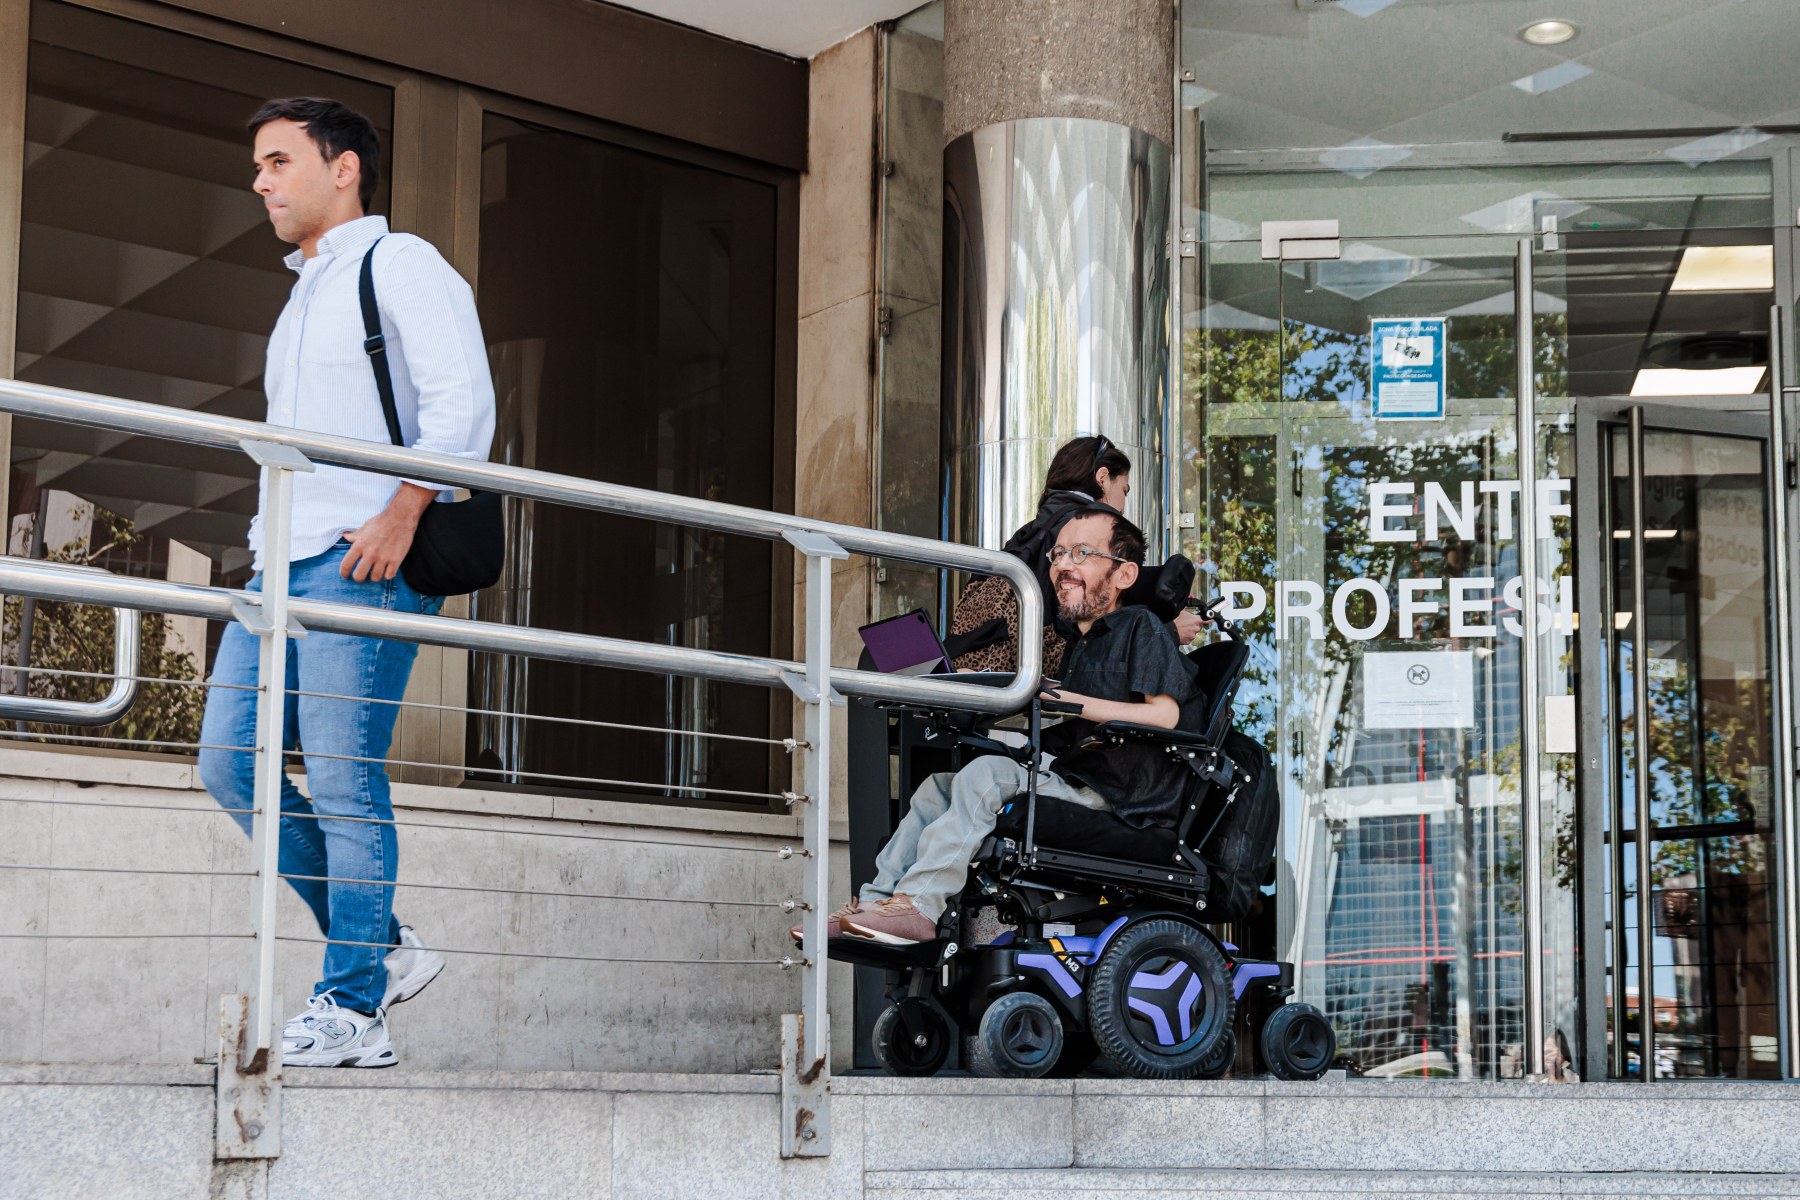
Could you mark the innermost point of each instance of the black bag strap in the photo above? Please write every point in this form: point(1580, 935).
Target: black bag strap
point(375, 345)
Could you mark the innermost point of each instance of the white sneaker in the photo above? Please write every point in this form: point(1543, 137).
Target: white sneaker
point(410, 966)
point(328, 1036)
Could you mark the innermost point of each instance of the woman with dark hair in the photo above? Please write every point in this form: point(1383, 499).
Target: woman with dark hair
point(1083, 471)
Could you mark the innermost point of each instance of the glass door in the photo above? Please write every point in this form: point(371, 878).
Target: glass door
point(1373, 549)
point(1677, 696)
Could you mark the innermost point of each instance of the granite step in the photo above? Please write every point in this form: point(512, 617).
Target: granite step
point(1252, 1184)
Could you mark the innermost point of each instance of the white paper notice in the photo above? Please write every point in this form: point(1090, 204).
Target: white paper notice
point(1424, 689)
point(1407, 352)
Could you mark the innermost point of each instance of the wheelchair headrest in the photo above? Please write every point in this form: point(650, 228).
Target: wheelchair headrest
point(1163, 590)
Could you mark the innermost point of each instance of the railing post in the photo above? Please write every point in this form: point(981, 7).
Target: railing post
point(271, 625)
point(806, 1039)
point(1530, 707)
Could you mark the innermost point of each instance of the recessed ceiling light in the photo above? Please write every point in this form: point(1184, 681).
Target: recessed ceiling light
point(1725, 269)
point(1549, 33)
point(1723, 381)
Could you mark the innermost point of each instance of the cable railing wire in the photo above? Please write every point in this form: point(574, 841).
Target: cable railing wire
point(585, 722)
point(545, 775)
point(116, 937)
point(778, 851)
point(698, 789)
point(82, 869)
point(91, 738)
point(180, 808)
point(784, 962)
point(70, 673)
point(783, 905)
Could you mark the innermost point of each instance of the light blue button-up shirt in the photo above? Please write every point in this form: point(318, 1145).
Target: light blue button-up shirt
point(319, 378)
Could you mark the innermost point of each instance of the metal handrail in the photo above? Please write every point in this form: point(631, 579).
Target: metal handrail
point(248, 1043)
point(229, 433)
point(88, 713)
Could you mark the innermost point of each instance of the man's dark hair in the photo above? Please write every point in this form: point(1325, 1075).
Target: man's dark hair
point(1127, 541)
point(334, 128)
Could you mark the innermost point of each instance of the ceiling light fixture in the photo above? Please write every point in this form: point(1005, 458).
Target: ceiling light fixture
point(1722, 381)
point(1553, 32)
point(1725, 269)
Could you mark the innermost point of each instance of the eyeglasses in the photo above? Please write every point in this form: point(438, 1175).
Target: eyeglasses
point(1101, 446)
point(1079, 555)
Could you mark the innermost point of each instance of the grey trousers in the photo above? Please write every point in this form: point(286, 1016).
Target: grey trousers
point(927, 859)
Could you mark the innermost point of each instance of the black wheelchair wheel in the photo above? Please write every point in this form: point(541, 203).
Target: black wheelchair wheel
point(1021, 1037)
point(1159, 1001)
point(1221, 1060)
point(1298, 1042)
point(911, 1038)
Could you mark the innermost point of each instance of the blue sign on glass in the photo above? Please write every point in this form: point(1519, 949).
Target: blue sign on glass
point(1406, 375)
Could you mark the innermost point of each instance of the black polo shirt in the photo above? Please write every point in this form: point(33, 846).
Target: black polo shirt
point(1126, 655)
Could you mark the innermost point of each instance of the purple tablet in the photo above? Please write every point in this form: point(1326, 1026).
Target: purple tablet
point(906, 645)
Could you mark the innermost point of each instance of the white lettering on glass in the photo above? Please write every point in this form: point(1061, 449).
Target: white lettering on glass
point(1461, 515)
point(1380, 511)
point(1286, 607)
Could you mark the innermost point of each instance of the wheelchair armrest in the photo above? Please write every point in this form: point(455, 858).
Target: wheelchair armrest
point(1155, 734)
point(988, 745)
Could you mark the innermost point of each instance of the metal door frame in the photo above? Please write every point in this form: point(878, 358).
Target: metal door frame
point(1599, 791)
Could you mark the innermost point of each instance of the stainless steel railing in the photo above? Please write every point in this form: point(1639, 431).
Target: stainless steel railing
point(273, 615)
point(92, 713)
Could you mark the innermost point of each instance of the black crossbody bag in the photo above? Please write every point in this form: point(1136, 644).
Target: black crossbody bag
point(458, 547)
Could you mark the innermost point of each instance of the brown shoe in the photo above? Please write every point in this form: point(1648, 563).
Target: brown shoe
point(893, 921)
point(834, 927)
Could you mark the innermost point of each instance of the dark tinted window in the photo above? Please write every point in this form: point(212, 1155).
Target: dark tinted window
point(628, 304)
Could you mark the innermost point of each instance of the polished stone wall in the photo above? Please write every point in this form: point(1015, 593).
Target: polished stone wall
point(909, 404)
point(836, 370)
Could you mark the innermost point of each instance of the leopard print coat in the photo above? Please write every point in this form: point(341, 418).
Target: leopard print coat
point(986, 598)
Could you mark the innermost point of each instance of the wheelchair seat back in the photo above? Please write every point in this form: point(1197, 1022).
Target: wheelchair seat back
point(1218, 666)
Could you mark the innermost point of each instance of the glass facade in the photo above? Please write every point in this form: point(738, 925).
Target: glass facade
point(1373, 543)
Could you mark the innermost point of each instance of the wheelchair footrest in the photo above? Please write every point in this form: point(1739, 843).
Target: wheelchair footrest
point(865, 953)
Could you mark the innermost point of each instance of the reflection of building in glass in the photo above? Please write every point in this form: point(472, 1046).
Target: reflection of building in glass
point(1394, 933)
point(1421, 923)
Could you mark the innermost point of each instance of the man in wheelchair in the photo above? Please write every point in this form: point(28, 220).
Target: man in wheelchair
point(1122, 666)
point(1054, 903)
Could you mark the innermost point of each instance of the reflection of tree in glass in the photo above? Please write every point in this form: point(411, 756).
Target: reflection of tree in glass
point(1232, 366)
point(1301, 420)
point(79, 637)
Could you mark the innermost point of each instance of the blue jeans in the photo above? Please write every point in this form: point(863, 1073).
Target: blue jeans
point(312, 843)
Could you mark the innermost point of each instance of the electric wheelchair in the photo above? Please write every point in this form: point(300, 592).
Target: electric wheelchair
point(1080, 942)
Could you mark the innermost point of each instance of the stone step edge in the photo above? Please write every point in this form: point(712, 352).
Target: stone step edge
point(1212, 1180)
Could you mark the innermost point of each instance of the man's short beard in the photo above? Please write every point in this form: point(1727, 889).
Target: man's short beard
point(1096, 601)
